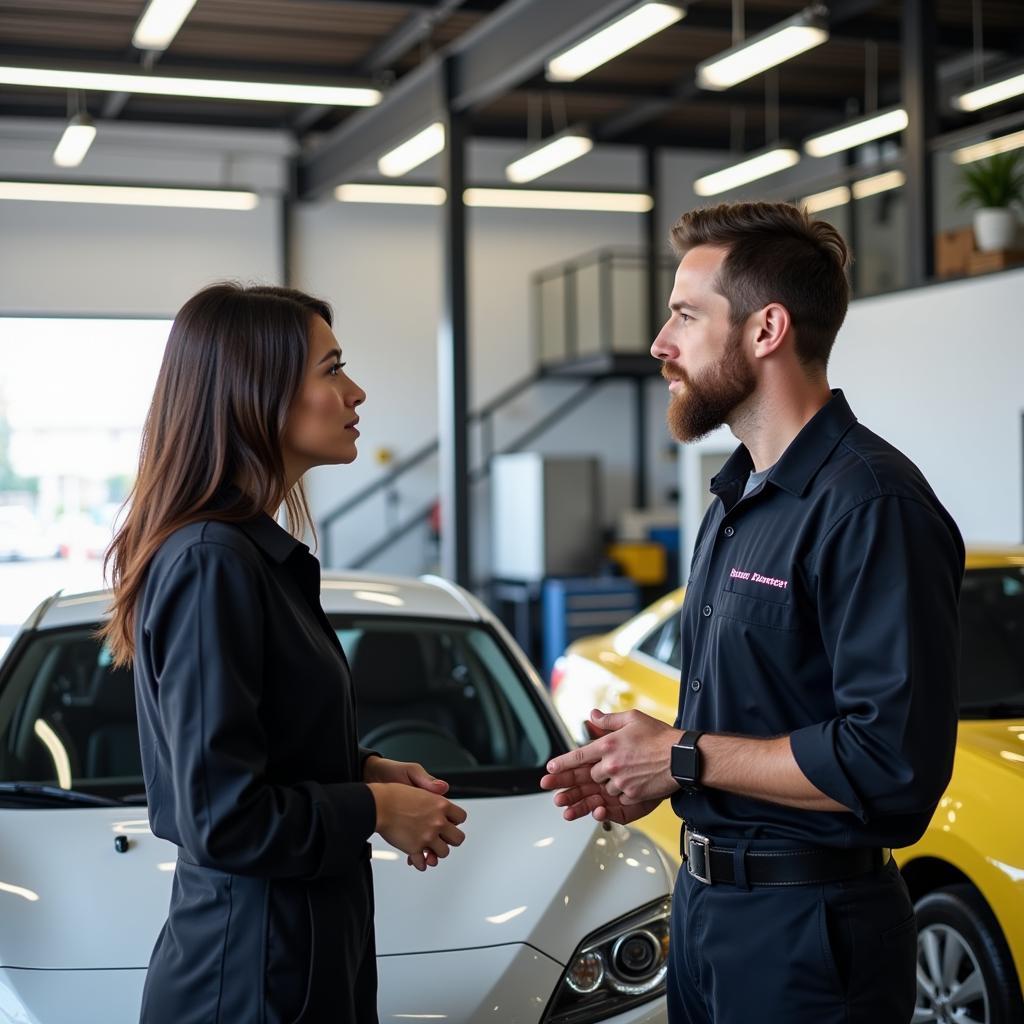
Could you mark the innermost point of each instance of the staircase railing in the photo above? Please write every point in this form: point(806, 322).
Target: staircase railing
point(562, 297)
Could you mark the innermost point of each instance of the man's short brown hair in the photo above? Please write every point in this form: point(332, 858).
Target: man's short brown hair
point(777, 253)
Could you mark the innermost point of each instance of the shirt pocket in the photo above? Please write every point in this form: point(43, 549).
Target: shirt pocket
point(774, 612)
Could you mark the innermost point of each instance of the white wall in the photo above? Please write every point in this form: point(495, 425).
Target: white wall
point(70, 258)
point(939, 373)
point(67, 258)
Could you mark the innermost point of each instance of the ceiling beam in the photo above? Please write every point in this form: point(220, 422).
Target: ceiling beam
point(410, 33)
point(686, 89)
point(503, 50)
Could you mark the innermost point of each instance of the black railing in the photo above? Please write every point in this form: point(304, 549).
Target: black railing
point(596, 305)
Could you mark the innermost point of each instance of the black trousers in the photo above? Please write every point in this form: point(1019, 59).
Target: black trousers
point(839, 953)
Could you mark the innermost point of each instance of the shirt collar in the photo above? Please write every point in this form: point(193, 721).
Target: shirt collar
point(272, 538)
point(803, 458)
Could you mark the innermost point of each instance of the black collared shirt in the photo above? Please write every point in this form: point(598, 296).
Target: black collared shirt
point(824, 606)
point(246, 711)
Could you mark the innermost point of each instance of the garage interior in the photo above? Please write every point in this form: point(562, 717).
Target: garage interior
point(499, 313)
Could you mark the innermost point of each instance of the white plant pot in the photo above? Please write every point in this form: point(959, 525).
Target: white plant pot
point(995, 228)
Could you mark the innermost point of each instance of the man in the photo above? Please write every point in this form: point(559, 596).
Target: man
point(820, 646)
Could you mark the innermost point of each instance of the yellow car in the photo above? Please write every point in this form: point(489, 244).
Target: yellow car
point(966, 875)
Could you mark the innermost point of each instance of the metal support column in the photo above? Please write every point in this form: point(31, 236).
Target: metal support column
point(654, 303)
point(286, 219)
point(919, 98)
point(640, 435)
point(452, 353)
point(852, 232)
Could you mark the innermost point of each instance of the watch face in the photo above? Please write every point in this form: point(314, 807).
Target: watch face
point(684, 765)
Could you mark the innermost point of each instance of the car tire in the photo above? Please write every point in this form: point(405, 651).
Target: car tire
point(963, 962)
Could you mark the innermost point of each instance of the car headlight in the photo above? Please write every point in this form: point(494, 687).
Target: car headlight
point(620, 966)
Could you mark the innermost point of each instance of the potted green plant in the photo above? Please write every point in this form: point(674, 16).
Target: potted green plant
point(994, 186)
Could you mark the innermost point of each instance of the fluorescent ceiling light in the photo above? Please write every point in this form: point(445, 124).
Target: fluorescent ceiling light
point(856, 133)
point(408, 195)
point(622, 34)
point(556, 152)
point(774, 46)
point(535, 199)
point(879, 183)
point(413, 152)
point(1003, 89)
point(826, 200)
point(981, 150)
point(122, 195)
point(203, 88)
point(861, 190)
point(75, 142)
point(160, 23)
point(502, 198)
point(754, 167)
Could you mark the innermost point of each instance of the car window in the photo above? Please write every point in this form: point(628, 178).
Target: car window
point(992, 638)
point(445, 694)
point(67, 717)
point(663, 643)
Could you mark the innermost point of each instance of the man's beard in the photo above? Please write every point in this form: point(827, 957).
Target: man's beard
point(709, 399)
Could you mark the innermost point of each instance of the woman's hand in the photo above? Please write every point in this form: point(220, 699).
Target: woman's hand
point(408, 773)
point(421, 824)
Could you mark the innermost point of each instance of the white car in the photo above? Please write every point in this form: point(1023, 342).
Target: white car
point(534, 919)
point(22, 536)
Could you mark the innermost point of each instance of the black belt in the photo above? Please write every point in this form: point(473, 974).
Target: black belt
point(712, 864)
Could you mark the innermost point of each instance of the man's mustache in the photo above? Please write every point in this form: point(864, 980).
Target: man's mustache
point(671, 373)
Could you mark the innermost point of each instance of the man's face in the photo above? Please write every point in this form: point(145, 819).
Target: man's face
point(701, 352)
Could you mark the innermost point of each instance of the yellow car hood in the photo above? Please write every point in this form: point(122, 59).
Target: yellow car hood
point(1002, 741)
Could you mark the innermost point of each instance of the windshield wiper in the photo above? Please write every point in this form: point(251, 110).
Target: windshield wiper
point(32, 792)
point(999, 709)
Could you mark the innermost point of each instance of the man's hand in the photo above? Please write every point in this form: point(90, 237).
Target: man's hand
point(621, 775)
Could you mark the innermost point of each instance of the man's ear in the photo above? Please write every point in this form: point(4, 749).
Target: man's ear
point(773, 324)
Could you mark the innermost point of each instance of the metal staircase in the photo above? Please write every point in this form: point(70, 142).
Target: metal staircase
point(590, 327)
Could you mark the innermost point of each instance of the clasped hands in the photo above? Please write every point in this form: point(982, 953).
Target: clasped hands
point(412, 812)
point(621, 775)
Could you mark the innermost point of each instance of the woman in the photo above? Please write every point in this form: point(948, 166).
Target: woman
point(246, 716)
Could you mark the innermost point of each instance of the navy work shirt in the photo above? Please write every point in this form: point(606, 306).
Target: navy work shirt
point(246, 710)
point(824, 606)
point(247, 724)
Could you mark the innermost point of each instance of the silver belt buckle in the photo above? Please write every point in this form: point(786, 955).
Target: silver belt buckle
point(702, 846)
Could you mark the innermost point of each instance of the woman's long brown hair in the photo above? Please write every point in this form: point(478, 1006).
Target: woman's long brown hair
point(234, 362)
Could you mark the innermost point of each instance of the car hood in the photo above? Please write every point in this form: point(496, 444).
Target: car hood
point(68, 899)
point(1000, 741)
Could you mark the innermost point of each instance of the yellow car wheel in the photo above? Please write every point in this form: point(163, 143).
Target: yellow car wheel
point(964, 968)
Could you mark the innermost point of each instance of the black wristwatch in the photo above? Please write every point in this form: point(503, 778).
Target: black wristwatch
point(686, 764)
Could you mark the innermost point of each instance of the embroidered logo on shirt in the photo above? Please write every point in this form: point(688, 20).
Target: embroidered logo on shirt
point(756, 577)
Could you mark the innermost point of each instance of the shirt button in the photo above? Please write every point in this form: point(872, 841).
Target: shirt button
point(707, 610)
point(695, 685)
point(728, 531)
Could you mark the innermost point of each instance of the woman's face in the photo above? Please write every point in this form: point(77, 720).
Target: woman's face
point(321, 427)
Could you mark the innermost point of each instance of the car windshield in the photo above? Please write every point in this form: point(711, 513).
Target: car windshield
point(446, 694)
point(992, 634)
